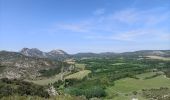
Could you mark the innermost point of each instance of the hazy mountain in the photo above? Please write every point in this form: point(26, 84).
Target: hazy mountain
point(54, 54)
point(34, 52)
point(57, 54)
point(163, 53)
point(87, 55)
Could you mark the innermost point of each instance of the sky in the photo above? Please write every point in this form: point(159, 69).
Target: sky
point(85, 25)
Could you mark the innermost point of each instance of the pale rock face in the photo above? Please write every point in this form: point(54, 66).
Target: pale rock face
point(52, 91)
point(33, 52)
point(19, 66)
point(134, 98)
point(56, 52)
point(26, 65)
point(12, 75)
point(40, 54)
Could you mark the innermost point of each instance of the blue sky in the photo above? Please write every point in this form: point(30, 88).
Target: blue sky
point(85, 25)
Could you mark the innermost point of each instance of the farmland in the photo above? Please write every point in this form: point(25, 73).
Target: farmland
point(79, 75)
point(129, 85)
point(112, 79)
point(123, 79)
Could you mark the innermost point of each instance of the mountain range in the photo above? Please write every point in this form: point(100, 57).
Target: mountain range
point(54, 54)
point(60, 54)
point(28, 63)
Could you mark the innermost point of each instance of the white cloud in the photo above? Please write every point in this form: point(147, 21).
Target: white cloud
point(124, 25)
point(72, 27)
point(126, 16)
point(135, 35)
point(145, 17)
point(80, 27)
point(99, 11)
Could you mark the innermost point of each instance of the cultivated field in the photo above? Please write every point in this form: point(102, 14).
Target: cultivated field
point(78, 75)
point(124, 88)
point(128, 85)
point(80, 66)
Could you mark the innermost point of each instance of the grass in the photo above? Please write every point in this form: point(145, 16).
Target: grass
point(80, 66)
point(58, 97)
point(115, 95)
point(149, 74)
point(78, 75)
point(124, 97)
point(126, 86)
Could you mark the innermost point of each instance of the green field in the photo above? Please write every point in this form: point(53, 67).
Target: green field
point(112, 79)
point(149, 74)
point(126, 86)
point(78, 75)
point(80, 66)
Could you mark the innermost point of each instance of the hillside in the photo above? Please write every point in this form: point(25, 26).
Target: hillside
point(162, 53)
point(16, 65)
point(53, 54)
point(99, 76)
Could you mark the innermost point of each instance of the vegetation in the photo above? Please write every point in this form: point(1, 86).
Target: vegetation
point(95, 91)
point(50, 72)
point(114, 78)
point(128, 85)
point(157, 94)
point(80, 66)
point(167, 72)
point(121, 77)
point(2, 68)
point(17, 87)
point(59, 97)
point(78, 75)
point(55, 70)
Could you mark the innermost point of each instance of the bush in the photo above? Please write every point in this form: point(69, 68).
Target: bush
point(95, 91)
point(50, 72)
point(12, 87)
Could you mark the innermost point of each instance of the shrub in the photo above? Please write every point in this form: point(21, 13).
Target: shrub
point(95, 91)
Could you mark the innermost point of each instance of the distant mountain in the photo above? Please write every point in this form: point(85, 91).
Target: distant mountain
point(81, 55)
point(54, 54)
point(34, 52)
point(163, 53)
point(92, 55)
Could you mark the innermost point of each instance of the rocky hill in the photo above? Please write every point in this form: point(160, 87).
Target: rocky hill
point(16, 65)
point(54, 54)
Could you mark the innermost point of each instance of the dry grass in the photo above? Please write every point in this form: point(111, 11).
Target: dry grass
point(78, 75)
